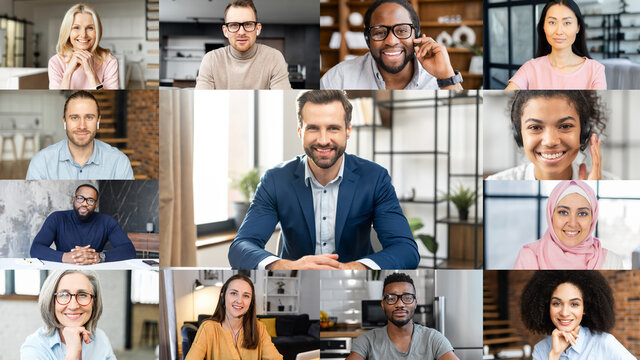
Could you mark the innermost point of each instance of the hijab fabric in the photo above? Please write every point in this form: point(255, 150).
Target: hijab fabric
point(552, 253)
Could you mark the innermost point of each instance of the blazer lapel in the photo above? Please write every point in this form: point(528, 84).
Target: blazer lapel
point(305, 198)
point(345, 196)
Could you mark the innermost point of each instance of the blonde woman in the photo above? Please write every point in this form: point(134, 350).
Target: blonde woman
point(70, 305)
point(80, 62)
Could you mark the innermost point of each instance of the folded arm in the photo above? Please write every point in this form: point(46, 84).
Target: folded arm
point(40, 247)
point(123, 248)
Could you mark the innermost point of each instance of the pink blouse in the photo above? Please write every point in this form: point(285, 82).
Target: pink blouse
point(107, 73)
point(537, 74)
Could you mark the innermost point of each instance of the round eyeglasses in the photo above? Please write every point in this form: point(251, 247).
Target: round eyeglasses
point(235, 26)
point(83, 298)
point(380, 32)
point(80, 199)
point(393, 298)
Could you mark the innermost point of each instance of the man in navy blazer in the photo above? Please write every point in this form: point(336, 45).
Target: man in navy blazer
point(325, 202)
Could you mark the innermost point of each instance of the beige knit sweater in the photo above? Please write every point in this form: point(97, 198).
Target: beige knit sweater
point(260, 67)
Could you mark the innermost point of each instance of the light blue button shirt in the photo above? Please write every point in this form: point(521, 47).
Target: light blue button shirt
point(362, 73)
point(589, 346)
point(56, 163)
point(325, 207)
point(40, 346)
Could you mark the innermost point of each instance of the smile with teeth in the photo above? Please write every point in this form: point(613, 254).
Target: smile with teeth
point(73, 316)
point(324, 151)
point(571, 233)
point(565, 322)
point(237, 307)
point(392, 52)
point(551, 156)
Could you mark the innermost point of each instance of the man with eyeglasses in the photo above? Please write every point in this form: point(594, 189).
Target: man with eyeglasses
point(399, 58)
point(401, 338)
point(243, 64)
point(80, 156)
point(81, 234)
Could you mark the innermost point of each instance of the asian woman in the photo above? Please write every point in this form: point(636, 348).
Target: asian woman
point(562, 60)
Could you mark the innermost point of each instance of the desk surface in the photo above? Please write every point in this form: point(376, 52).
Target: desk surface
point(20, 263)
point(343, 330)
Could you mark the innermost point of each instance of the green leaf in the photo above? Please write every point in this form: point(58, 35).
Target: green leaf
point(415, 224)
point(429, 242)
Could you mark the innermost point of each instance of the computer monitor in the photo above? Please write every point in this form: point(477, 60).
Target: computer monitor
point(372, 314)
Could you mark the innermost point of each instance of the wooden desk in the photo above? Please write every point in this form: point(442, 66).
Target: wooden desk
point(145, 241)
point(343, 330)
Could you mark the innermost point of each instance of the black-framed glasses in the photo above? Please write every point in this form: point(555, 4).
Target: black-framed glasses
point(235, 26)
point(83, 298)
point(80, 199)
point(407, 298)
point(380, 32)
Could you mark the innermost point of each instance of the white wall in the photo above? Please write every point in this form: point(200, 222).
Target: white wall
point(25, 107)
point(21, 318)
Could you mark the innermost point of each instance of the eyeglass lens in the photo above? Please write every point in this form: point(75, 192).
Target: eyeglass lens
point(80, 199)
point(247, 25)
point(393, 298)
point(63, 298)
point(380, 32)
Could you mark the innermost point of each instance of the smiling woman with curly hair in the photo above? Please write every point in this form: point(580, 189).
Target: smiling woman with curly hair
point(576, 309)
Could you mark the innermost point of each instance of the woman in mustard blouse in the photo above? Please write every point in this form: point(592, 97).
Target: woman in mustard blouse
point(234, 332)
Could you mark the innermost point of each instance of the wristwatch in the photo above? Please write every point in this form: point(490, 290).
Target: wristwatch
point(103, 257)
point(455, 79)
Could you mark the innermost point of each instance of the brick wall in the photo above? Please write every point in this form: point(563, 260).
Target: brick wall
point(626, 290)
point(142, 130)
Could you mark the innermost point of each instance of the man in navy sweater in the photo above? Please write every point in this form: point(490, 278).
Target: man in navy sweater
point(80, 234)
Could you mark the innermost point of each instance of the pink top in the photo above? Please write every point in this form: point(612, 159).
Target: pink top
point(107, 74)
point(537, 74)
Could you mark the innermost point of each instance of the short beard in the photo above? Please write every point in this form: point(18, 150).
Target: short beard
point(393, 70)
point(83, 218)
point(338, 154)
point(400, 323)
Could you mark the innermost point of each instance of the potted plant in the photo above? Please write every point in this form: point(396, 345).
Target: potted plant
point(375, 285)
point(247, 185)
point(280, 306)
point(280, 284)
point(429, 241)
point(475, 67)
point(463, 199)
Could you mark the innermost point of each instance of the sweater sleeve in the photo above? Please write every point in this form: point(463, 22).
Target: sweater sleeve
point(269, 351)
point(280, 76)
point(123, 248)
point(55, 71)
point(111, 79)
point(40, 247)
point(205, 80)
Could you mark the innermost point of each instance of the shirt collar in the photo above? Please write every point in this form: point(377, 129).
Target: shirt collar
point(308, 174)
point(65, 154)
point(414, 83)
point(53, 339)
point(583, 338)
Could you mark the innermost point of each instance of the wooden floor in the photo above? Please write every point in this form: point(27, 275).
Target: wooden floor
point(14, 170)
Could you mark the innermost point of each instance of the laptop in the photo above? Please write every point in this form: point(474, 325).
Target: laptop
point(309, 355)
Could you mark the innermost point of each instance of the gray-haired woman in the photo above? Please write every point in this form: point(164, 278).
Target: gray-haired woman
point(70, 304)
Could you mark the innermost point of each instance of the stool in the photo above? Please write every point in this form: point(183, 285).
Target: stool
point(150, 332)
point(8, 137)
point(46, 139)
point(135, 62)
point(31, 137)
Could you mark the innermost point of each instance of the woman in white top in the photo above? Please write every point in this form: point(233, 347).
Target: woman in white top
point(553, 127)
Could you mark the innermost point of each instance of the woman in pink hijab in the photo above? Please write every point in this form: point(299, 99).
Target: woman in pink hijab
point(568, 243)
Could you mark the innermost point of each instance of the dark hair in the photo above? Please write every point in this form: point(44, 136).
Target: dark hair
point(325, 97)
point(89, 186)
point(80, 94)
point(597, 298)
point(586, 102)
point(579, 46)
point(397, 277)
point(250, 338)
point(241, 3)
point(412, 12)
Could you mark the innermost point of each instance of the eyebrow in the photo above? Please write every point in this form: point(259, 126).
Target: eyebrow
point(568, 208)
point(564, 18)
point(557, 298)
point(69, 291)
point(559, 121)
point(236, 290)
point(81, 114)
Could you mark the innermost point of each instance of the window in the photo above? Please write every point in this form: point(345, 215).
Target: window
point(22, 282)
point(12, 42)
point(144, 287)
